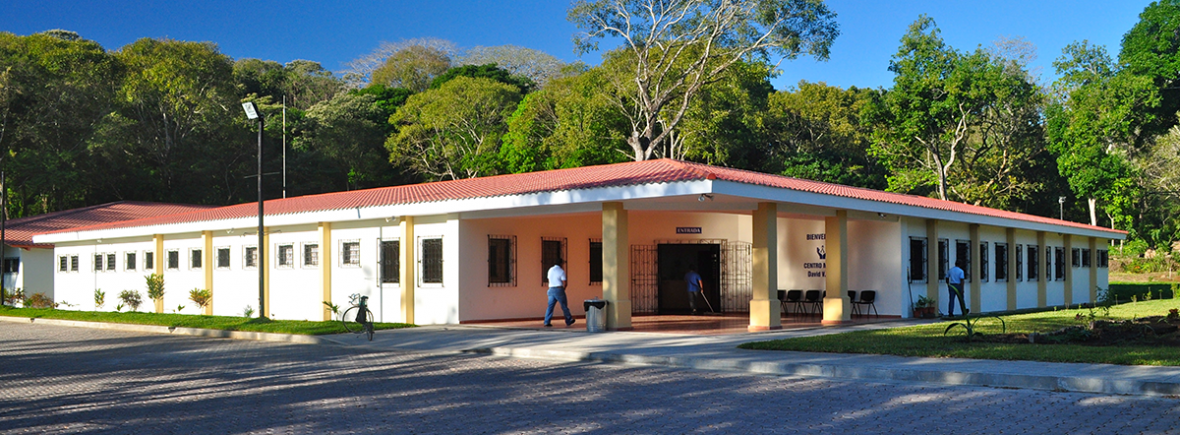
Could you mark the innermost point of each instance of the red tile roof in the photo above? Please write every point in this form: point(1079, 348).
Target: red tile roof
point(20, 232)
point(616, 175)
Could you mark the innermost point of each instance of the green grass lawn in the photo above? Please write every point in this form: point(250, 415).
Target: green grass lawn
point(224, 323)
point(928, 340)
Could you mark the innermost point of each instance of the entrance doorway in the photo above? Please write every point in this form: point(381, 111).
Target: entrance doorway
point(674, 262)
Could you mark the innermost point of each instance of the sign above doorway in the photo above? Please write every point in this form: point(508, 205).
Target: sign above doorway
point(688, 230)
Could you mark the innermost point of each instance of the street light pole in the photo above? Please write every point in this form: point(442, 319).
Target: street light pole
point(253, 113)
point(1061, 206)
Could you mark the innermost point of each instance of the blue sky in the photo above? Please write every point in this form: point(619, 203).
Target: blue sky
point(333, 32)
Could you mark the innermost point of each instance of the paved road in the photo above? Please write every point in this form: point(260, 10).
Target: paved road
point(73, 380)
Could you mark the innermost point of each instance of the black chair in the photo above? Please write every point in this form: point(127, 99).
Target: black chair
point(813, 301)
point(852, 300)
point(868, 298)
point(791, 298)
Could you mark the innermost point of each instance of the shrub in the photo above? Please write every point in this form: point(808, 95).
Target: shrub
point(100, 298)
point(38, 300)
point(131, 299)
point(155, 285)
point(200, 296)
point(248, 312)
point(11, 297)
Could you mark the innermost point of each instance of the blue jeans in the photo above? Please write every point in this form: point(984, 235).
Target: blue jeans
point(956, 291)
point(557, 294)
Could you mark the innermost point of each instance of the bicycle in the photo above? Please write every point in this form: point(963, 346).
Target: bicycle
point(358, 318)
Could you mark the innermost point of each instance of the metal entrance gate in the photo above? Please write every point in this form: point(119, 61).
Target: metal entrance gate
point(736, 285)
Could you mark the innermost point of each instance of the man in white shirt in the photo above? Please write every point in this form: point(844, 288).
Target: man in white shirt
point(954, 283)
point(557, 294)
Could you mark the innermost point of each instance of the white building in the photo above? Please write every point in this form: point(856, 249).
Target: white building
point(30, 266)
point(476, 249)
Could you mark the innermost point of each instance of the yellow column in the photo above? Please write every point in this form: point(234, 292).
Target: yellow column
point(836, 304)
point(1067, 258)
point(207, 237)
point(325, 230)
point(406, 262)
point(1011, 238)
point(616, 267)
point(158, 260)
point(1093, 270)
point(1042, 280)
point(976, 268)
point(764, 306)
point(265, 260)
point(932, 260)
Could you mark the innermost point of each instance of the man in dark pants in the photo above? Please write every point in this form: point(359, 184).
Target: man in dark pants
point(954, 283)
point(694, 288)
point(557, 294)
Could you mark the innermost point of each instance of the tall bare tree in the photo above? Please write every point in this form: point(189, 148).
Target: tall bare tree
point(679, 46)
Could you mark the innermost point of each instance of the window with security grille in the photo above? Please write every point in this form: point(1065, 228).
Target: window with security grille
point(73, 263)
point(1032, 263)
point(552, 253)
point(501, 261)
point(963, 253)
point(195, 258)
point(983, 262)
point(250, 256)
point(391, 261)
point(311, 254)
point(149, 260)
point(173, 260)
point(1001, 262)
point(1103, 258)
point(63, 264)
point(917, 259)
point(129, 262)
point(595, 261)
point(944, 258)
point(1085, 258)
point(1059, 262)
point(285, 255)
point(432, 261)
point(111, 262)
point(350, 253)
point(98, 262)
point(11, 265)
point(1019, 253)
point(223, 258)
point(1077, 257)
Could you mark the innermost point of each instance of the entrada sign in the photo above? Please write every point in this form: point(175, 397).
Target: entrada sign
point(688, 230)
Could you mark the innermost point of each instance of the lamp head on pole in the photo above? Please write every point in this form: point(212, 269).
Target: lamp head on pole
point(251, 110)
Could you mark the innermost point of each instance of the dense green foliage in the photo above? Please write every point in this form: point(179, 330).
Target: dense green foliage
point(158, 119)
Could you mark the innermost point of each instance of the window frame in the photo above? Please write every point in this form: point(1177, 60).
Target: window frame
point(149, 260)
point(509, 264)
point(281, 262)
point(99, 262)
point(422, 261)
point(347, 258)
point(1076, 257)
point(595, 268)
point(944, 258)
point(229, 258)
point(1059, 263)
point(304, 261)
point(168, 259)
point(1086, 258)
point(130, 261)
point(11, 260)
point(923, 262)
point(63, 263)
point(983, 263)
point(1001, 265)
point(546, 264)
point(196, 258)
point(1102, 258)
point(1034, 263)
point(247, 258)
point(966, 244)
point(396, 261)
point(1019, 262)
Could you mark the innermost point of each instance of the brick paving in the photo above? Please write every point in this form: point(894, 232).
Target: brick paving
point(73, 380)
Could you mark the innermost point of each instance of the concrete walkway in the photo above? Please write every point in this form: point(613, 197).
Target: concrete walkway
point(721, 353)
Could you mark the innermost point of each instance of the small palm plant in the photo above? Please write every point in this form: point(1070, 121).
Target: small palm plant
point(201, 297)
point(100, 298)
point(970, 324)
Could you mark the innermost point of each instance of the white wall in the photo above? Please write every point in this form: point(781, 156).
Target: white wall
point(993, 292)
point(439, 303)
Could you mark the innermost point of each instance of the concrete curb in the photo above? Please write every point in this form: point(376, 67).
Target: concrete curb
point(1096, 385)
point(156, 329)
